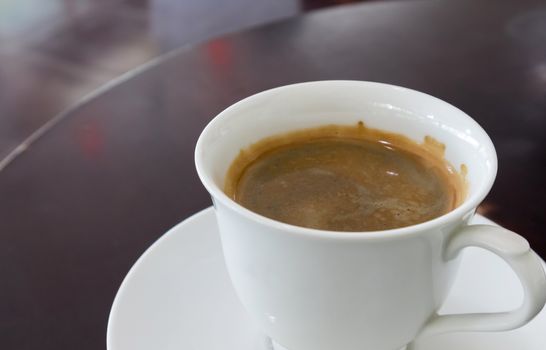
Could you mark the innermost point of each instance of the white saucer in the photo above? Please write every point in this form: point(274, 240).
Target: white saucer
point(178, 296)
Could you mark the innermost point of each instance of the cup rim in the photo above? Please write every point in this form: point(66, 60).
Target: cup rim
point(468, 205)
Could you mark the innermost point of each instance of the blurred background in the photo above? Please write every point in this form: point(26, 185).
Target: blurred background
point(54, 52)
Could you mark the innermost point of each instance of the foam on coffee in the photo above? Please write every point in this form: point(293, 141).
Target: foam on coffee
point(345, 178)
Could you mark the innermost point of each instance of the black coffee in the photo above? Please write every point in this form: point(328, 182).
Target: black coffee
point(342, 178)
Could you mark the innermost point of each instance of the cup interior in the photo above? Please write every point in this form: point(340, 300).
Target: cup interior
point(387, 107)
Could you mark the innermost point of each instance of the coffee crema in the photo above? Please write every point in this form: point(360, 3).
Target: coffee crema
point(345, 178)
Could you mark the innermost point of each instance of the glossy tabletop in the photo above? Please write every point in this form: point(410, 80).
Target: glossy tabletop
point(87, 197)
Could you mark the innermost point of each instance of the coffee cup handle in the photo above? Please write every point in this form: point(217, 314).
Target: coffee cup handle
point(515, 250)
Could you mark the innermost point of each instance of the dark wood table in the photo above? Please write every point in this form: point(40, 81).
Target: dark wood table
point(90, 195)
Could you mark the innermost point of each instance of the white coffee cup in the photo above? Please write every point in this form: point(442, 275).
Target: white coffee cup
point(320, 290)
